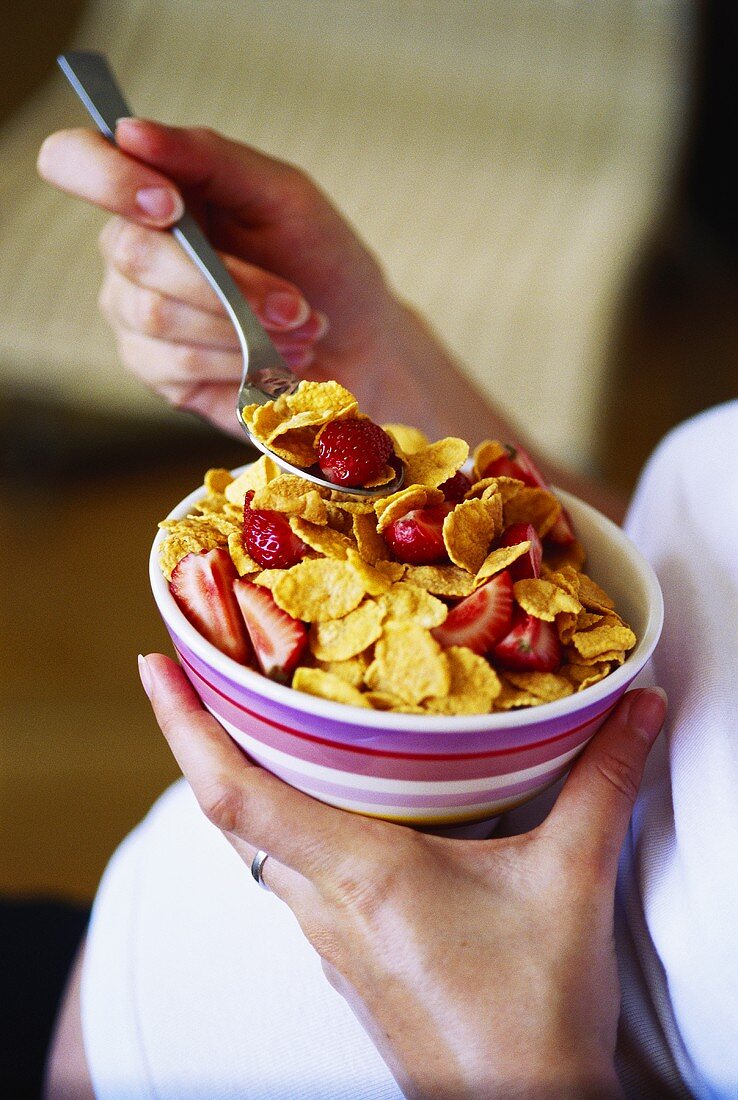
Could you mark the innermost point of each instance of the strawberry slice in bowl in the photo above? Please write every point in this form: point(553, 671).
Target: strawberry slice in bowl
point(479, 621)
point(278, 640)
point(517, 463)
point(202, 585)
point(417, 537)
point(532, 645)
point(529, 565)
point(456, 487)
point(268, 537)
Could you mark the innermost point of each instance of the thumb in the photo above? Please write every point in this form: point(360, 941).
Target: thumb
point(597, 799)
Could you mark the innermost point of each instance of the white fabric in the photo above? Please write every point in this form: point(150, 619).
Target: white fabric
point(198, 984)
point(680, 866)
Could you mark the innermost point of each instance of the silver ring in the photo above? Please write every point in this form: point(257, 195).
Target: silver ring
point(257, 865)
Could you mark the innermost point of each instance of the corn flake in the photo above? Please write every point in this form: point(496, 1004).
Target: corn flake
point(544, 600)
point(351, 670)
point(319, 589)
point(602, 641)
point(583, 676)
point(369, 543)
point(469, 530)
point(546, 686)
point(474, 685)
point(536, 506)
point(388, 509)
point(405, 602)
point(487, 452)
point(437, 462)
point(409, 663)
point(255, 477)
point(441, 580)
point(244, 563)
point(592, 596)
point(499, 559)
point(406, 439)
point(326, 685)
point(321, 538)
point(340, 639)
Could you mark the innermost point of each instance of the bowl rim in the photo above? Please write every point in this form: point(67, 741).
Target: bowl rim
point(284, 695)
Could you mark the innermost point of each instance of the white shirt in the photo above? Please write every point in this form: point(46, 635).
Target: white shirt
point(199, 985)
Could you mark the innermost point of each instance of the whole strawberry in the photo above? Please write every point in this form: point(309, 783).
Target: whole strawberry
point(353, 452)
point(268, 537)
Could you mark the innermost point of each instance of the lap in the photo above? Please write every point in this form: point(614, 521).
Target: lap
point(199, 983)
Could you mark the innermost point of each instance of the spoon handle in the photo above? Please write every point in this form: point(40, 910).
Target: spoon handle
point(92, 79)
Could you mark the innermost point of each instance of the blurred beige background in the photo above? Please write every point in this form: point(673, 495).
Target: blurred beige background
point(526, 170)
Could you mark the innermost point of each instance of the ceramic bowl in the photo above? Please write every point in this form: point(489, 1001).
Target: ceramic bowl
point(432, 772)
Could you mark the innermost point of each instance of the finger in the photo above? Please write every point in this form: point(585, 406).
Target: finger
point(224, 172)
point(133, 307)
point(85, 164)
point(179, 371)
point(213, 402)
point(594, 807)
point(240, 798)
point(147, 312)
point(163, 363)
point(155, 261)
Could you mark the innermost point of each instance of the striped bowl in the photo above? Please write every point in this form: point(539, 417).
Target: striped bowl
point(435, 772)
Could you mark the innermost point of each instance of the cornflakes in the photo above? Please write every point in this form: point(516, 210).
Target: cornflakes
point(369, 621)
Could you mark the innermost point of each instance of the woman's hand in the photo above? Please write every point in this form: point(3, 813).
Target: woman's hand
point(479, 968)
point(313, 284)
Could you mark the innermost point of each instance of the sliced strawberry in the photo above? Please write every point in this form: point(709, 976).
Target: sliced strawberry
point(480, 620)
point(529, 565)
point(268, 537)
point(353, 452)
point(562, 532)
point(417, 537)
point(278, 639)
point(456, 487)
point(202, 585)
point(516, 463)
point(531, 646)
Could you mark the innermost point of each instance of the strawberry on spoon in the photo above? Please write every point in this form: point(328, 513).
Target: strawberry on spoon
point(353, 452)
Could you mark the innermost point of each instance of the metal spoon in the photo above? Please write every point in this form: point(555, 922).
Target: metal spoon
point(265, 373)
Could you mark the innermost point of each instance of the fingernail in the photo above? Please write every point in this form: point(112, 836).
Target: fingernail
point(161, 204)
point(145, 673)
point(284, 308)
point(647, 711)
point(298, 358)
point(323, 324)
